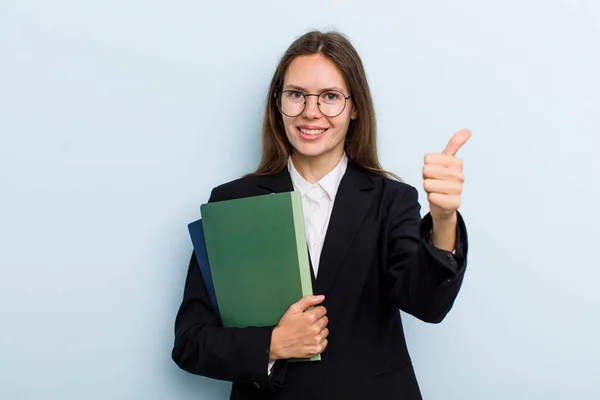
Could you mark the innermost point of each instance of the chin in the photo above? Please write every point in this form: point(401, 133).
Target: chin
point(302, 150)
point(311, 151)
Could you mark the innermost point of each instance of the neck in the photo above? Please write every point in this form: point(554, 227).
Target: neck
point(312, 169)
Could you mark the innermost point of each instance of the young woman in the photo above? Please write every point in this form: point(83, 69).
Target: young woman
point(371, 253)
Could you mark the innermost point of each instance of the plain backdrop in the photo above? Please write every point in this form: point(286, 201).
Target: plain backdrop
point(117, 118)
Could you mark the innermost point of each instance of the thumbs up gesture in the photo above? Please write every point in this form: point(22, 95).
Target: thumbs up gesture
point(443, 179)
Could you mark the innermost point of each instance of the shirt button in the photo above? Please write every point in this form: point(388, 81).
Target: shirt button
point(257, 385)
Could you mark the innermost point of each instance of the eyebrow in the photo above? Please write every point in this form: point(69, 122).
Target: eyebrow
point(301, 89)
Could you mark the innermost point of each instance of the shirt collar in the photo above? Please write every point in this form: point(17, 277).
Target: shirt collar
point(330, 182)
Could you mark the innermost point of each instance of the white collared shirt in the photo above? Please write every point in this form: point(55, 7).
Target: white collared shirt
point(317, 204)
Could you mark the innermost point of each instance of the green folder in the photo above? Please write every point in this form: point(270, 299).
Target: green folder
point(258, 257)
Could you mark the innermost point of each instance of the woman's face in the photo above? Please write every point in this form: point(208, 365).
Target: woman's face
point(313, 134)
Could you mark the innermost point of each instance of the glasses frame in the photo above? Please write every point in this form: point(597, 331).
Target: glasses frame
point(278, 95)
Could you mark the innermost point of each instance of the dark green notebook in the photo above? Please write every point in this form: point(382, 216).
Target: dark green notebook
point(258, 257)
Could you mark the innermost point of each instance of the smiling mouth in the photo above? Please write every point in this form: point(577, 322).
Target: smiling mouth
point(312, 133)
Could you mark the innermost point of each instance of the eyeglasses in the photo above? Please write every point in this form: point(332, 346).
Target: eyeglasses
point(292, 103)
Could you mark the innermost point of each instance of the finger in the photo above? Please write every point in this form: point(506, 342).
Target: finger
point(324, 334)
point(444, 160)
point(457, 141)
point(320, 347)
point(315, 314)
point(306, 302)
point(322, 323)
point(434, 171)
point(442, 186)
point(317, 326)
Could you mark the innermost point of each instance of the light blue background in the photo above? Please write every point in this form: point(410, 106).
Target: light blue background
point(118, 117)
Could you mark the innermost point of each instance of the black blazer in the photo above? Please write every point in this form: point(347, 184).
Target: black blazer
point(377, 258)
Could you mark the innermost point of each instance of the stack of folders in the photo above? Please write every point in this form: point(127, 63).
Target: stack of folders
point(253, 257)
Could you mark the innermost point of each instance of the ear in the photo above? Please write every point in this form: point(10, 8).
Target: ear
point(354, 113)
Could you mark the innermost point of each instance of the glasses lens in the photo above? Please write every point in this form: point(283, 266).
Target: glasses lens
point(291, 103)
point(332, 103)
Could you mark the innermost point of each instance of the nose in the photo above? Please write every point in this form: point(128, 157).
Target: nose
point(311, 111)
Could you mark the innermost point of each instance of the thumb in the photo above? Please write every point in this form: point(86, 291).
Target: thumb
point(306, 302)
point(457, 141)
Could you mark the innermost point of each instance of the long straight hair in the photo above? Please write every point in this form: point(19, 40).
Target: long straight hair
point(361, 139)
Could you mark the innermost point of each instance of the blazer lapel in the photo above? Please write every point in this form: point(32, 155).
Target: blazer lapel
point(351, 204)
point(279, 183)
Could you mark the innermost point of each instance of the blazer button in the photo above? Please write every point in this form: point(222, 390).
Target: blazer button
point(257, 385)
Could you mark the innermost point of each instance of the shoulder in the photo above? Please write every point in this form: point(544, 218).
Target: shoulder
point(396, 200)
point(389, 188)
point(401, 190)
point(399, 196)
point(241, 187)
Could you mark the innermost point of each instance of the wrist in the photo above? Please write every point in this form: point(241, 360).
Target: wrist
point(445, 222)
point(443, 235)
point(273, 350)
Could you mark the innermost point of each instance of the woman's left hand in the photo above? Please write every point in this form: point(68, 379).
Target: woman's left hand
point(443, 179)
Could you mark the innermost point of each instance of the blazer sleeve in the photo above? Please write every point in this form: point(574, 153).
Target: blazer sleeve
point(423, 280)
point(204, 347)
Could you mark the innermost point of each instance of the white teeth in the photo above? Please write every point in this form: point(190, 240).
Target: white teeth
point(312, 131)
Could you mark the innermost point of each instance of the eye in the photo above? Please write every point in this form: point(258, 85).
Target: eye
point(294, 94)
point(332, 97)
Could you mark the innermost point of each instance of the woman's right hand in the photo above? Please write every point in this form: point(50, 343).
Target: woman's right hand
point(300, 333)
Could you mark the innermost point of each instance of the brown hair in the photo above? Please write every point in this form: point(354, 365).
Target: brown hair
point(361, 143)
